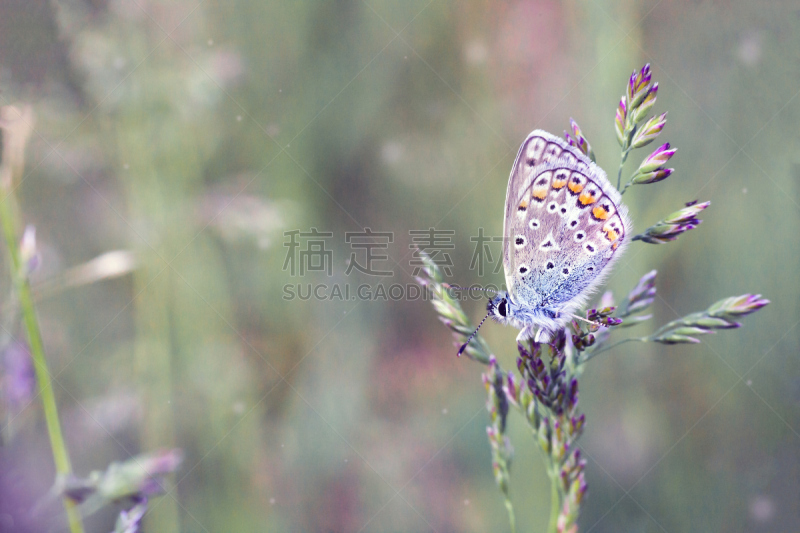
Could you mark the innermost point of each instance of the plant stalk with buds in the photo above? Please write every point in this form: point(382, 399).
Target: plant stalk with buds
point(17, 126)
point(545, 392)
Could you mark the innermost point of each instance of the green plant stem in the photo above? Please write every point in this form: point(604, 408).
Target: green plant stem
point(60, 455)
point(623, 158)
point(611, 346)
point(511, 520)
point(555, 504)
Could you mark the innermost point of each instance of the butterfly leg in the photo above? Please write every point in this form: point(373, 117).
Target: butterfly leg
point(543, 336)
point(525, 334)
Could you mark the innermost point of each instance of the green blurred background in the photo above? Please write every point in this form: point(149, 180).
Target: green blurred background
point(195, 134)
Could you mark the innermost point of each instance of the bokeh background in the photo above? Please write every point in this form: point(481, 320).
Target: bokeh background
point(193, 135)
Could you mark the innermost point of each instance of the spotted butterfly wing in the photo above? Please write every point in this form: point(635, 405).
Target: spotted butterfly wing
point(564, 226)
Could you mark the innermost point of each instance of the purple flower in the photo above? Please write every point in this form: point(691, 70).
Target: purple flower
point(28, 253)
point(649, 131)
point(131, 520)
point(652, 177)
point(674, 225)
point(657, 159)
point(141, 476)
point(619, 122)
point(688, 214)
point(580, 141)
point(642, 296)
point(721, 315)
point(736, 306)
point(649, 101)
point(19, 381)
point(638, 86)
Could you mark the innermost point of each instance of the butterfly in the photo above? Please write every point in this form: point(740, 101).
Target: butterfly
point(565, 225)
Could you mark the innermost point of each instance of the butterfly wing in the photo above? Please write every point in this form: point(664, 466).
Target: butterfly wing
point(540, 147)
point(565, 225)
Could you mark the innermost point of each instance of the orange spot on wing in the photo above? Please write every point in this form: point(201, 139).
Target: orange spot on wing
point(575, 187)
point(560, 181)
point(600, 212)
point(523, 204)
point(587, 198)
point(611, 233)
point(540, 193)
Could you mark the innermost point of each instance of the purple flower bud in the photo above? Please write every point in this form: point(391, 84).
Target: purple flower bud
point(576, 457)
point(585, 342)
point(657, 159)
point(692, 330)
point(580, 141)
point(138, 477)
point(512, 386)
point(718, 316)
point(649, 131)
point(642, 109)
point(163, 462)
point(643, 303)
point(19, 379)
point(662, 233)
point(674, 225)
point(582, 488)
point(28, 252)
point(599, 315)
point(631, 89)
point(619, 122)
point(686, 215)
point(644, 75)
point(738, 306)
point(643, 294)
point(130, 521)
point(717, 323)
point(676, 339)
point(573, 397)
point(638, 86)
point(569, 139)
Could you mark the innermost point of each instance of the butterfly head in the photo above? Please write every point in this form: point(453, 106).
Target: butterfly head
point(528, 318)
point(501, 308)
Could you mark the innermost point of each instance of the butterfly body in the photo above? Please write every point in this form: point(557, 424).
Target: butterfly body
point(564, 227)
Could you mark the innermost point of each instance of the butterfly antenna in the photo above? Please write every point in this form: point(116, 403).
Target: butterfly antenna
point(598, 324)
point(464, 346)
point(448, 286)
